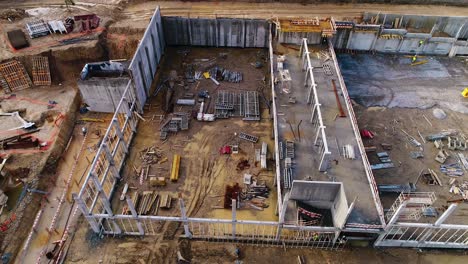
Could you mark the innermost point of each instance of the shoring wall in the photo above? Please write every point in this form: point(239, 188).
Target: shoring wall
point(147, 57)
point(216, 32)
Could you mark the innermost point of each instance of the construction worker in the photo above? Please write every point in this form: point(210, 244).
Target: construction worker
point(421, 42)
point(413, 59)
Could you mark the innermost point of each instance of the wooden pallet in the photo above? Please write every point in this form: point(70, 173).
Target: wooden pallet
point(41, 71)
point(15, 75)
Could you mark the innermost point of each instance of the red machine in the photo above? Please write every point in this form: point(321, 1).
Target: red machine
point(225, 150)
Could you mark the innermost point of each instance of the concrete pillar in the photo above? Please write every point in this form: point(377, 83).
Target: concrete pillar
point(234, 218)
point(324, 161)
point(318, 134)
point(116, 227)
point(350, 39)
point(118, 130)
point(183, 212)
point(453, 50)
point(131, 206)
point(189, 21)
point(282, 216)
point(110, 158)
point(101, 195)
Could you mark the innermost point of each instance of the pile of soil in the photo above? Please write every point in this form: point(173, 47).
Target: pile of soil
point(13, 14)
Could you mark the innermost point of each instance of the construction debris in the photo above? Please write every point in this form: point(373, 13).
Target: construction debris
point(452, 170)
point(460, 189)
point(442, 156)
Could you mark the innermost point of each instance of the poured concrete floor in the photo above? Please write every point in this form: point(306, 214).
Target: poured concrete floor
point(385, 86)
point(338, 130)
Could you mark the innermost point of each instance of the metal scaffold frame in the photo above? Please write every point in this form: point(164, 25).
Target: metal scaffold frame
point(316, 113)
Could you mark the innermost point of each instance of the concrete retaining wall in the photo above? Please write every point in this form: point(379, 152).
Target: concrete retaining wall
point(296, 37)
point(438, 35)
point(147, 57)
point(216, 32)
point(103, 94)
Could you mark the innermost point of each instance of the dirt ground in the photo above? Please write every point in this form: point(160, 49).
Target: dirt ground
point(160, 251)
point(204, 173)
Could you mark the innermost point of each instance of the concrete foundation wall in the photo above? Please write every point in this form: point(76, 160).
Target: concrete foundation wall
point(362, 40)
point(147, 57)
point(216, 32)
point(339, 209)
point(102, 94)
point(296, 37)
point(439, 35)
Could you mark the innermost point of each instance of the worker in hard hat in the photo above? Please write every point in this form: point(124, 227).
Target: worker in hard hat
point(421, 42)
point(413, 59)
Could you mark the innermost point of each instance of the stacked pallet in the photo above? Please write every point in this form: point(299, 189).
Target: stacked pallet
point(41, 71)
point(15, 75)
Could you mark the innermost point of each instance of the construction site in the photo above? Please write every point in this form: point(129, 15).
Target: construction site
point(174, 132)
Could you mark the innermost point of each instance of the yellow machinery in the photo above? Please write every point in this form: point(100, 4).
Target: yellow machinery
point(465, 92)
point(175, 168)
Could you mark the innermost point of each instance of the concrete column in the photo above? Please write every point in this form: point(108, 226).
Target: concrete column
point(324, 161)
point(184, 218)
point(190, 30)
point(318, 134)
point(282, 216)
point(234, 218)
point(453, 50)
point(116, 227)
point(350, 39)
point(118, 130)
point(306, 79)
point(392, 221)
point(101, 195)
point(131, 206)
point(111, 160)
point(446, 214)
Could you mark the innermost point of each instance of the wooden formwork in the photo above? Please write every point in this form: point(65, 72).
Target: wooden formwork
point(15, 75)
point(41, 71)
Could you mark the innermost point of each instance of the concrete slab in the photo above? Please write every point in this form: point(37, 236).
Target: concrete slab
point(339, 133)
